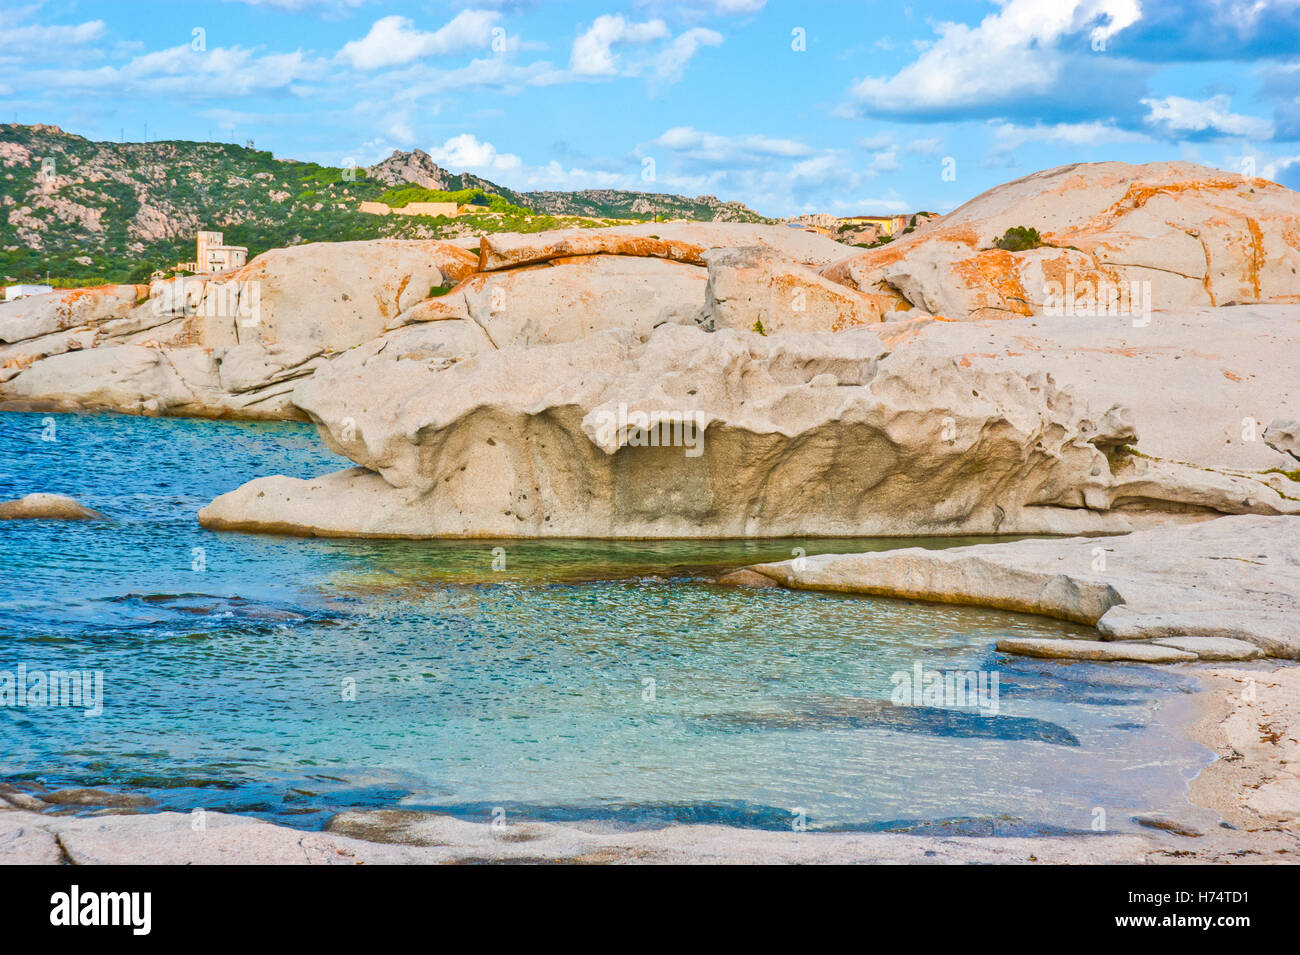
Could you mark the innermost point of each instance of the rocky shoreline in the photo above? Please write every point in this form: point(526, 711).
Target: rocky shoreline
point(1233, 580)
point(1250, 718)
point(936, 386)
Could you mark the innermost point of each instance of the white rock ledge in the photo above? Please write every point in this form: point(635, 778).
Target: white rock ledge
point(1235, 577)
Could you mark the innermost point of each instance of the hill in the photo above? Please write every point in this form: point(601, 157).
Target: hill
point(82, 211)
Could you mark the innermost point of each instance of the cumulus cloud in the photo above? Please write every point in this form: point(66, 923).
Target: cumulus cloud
point(1191, 119)
point(616, 46)
point(671, 61)
point(467, 152)
point(393, 41)
point(1014, 53)
point(593, 51)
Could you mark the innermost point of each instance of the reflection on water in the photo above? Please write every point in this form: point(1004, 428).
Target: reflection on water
point(294, 677)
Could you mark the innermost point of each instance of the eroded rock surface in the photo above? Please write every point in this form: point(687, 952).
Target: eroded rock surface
point(1200, 236)
point(817, 434)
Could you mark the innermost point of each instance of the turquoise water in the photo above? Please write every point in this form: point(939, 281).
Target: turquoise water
point(526, 687)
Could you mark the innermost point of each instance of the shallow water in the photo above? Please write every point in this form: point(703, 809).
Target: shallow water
point(584, 680)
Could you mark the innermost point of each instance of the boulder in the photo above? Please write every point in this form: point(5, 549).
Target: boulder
point(60, 311)
point(54, 507)
point(216, 345)
point(330, 294)
point(747, 578)
point(753, 288)
point(243, 381)
point(1198, 235)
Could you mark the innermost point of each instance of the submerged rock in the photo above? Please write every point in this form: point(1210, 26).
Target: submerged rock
point(1093, 650)
point(1169, 825)
point(55, 507)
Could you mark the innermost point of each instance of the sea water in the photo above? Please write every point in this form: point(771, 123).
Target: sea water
point(605, 681)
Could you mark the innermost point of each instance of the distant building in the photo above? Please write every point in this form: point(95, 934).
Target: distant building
point(887, 225)
point(212, 256)
point(13, 292)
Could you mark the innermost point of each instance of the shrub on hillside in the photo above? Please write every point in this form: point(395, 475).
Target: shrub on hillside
point(1019, 238)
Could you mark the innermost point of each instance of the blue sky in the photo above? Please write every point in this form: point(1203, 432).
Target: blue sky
point(841, 107)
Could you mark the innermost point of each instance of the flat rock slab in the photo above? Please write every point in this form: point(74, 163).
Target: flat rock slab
point(1234, 578)
point(25, 841)
point(1094, 650)
point(55, 507)
point(1213, 648)
point(399, 837)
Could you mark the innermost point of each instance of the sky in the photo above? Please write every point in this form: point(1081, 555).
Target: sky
point(864, 107)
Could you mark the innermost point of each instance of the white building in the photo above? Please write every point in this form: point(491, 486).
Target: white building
point(211, 255)
point(22, 291)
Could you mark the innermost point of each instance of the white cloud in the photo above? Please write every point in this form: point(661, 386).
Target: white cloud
point(1011, 52)
point(401, 131)
point(876, 142)
point(886, 161)
point(1180, 116)
point(593, 53)
point(714, 149)
point(21, 39)
point(467, 152)
point(1275, 167)
point(671, 61)
point(925, 147)
point(217, 73)
point(1009, 136)
point(393, 41)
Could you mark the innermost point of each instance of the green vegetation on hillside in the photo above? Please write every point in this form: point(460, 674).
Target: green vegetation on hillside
point(403, 196)
point(83, 212)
